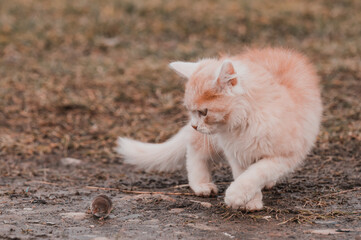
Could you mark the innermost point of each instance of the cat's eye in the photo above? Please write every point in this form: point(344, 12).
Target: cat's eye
point(203, 112)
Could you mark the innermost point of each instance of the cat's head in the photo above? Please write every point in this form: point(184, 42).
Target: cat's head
point(211, 92)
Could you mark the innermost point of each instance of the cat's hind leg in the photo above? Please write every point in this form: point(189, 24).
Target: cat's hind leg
point(270, 185)
point(236, 167)
point(199, 152)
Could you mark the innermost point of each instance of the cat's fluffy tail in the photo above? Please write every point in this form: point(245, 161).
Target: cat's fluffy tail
point(164, 157)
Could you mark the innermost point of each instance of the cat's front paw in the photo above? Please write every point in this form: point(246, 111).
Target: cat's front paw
point(255, 203)
point(244, 196)
point(205, 189)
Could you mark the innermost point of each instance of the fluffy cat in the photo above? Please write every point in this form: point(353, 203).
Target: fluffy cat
point(261, 110)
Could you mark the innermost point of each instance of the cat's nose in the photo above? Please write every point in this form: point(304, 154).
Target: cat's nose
point(195, 127)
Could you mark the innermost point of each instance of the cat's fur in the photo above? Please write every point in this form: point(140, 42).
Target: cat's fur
point(262, 112)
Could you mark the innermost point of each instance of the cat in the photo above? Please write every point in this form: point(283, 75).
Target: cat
point(260, 109)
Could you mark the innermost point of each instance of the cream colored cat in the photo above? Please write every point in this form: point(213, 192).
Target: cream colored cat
point(260, 109)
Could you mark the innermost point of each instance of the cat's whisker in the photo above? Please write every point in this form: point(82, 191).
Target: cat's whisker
point(214, 149)
point(204, 142)
point(209, 148)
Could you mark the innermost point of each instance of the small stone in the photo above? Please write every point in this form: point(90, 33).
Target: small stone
point(165, 198)
point(9, 222)
point(74, 215)
point(203, 204)
point(190, 215)
point(328, 231)
point(151, 222)
point(325, 222)
point(70, 161)
point(176, 210)
point(148, 197)
point(202, 226)
point(28, 209)
point(107, 42)
point(34, 221)
point(132, 216)
point(206, 204)
point(228, 235)
point(134, 221)
point(100, 238)
point(50, 223)
point(42, 235)
point(52, 197)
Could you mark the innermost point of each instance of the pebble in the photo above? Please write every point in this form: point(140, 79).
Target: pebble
point(151, 222)
point(33, 221)
point(52, 197)
point(9, 222)
point(329, 231)
point(176, 210)
point(325, 222)
point(70, 161)
point(202, 226)
point(149, 197)
point(74, 215)
point(132, 216)
point(228, 235)
point(190, 215)
point(203, 204)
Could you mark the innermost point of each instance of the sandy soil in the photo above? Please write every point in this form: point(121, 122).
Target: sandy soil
point(74, 76)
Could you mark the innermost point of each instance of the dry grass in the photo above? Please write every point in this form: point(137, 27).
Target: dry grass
point(75, 75)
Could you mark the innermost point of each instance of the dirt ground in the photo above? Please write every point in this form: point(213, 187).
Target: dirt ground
point(75, 75)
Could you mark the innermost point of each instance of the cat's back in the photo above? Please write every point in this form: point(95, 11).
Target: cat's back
point(289, 69)
point(291, 102)
point(288, 66)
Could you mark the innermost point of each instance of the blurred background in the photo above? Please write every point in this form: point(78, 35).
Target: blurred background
point(75, 75)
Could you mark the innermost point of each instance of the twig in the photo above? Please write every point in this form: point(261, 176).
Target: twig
point(341, 192)
point(165, 193)
point(180, 186)
point(42, 182)
point(223, 183)
point(102, 188)
point(291, 219)
point(187, 185)
point(140, 192)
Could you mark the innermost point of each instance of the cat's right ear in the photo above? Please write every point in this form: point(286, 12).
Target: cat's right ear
point(228, 78)
point(184, 69)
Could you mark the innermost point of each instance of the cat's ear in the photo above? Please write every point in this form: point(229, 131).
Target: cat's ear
point(227, 74)
point(227, 78)
point(184, 69)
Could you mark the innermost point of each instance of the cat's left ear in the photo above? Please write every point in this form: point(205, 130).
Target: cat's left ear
point(228, 78)
point(184, 69)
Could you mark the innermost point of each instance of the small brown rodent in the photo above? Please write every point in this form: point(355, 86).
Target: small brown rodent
point(101, 206)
